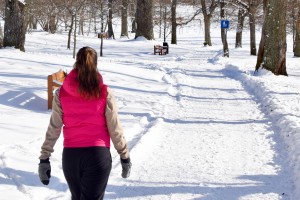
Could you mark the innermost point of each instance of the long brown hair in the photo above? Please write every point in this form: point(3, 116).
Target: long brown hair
point(88, 75)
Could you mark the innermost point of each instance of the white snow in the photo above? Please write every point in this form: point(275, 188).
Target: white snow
point(199, 126)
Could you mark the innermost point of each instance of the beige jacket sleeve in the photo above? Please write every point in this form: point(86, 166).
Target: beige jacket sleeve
point(114, 126)
point(54, 128)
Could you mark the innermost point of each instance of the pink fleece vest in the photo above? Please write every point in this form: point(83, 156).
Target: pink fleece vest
point(84, 120)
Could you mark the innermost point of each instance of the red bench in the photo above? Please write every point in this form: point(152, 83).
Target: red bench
point(160, 50)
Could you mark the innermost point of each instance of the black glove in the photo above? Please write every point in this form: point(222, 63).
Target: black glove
point(126, 167)
point(45, 171)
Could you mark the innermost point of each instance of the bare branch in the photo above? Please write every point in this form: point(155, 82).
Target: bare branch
point(191, 19)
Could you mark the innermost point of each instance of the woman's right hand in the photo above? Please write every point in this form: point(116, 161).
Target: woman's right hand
point(126, 167)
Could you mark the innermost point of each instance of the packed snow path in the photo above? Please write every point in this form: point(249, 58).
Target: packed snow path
point(207, 140)
point(194, 130)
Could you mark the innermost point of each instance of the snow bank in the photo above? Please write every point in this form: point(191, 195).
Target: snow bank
point(262, 85)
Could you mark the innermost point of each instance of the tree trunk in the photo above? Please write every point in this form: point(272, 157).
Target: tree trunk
point(297, 36)
point(52, 24)
point(160, 21)
point(144, 19)
point(165, 21)
point(207, 14)
point(15, 26)
point(101, 28)
point(133, 26)
point(30, 24)
point(81, 23)
point(252, 11)
point(34, 23)
point(260, 54)
point(74, 37)
point(224, 31)
point(66, 24)
point(70, 32)
point(207, 38)
point(240, 27)
point(1, 37)
point(109, 20)
point(295, 17)
point(174, 24)
point(275, 41)
point(124, 26)
point(45, 26)
point(95, 24)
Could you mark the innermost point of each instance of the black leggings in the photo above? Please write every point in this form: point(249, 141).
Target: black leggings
point(86, 171)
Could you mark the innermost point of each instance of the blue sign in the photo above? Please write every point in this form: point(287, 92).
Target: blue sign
point(224, 23)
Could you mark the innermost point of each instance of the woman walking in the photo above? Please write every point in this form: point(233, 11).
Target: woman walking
point(85, 108)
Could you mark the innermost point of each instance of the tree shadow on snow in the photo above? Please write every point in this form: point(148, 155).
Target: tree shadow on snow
point(23, 100)
point(46, 64)
point(21, 178)
point(178, 96)
point(258, 185)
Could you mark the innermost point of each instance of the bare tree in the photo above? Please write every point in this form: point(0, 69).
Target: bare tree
point(260, 54)
point(53, 24)
point(81, 16)
point(15, 26)
point(253, 4)
point(70, 31)
point(73, 8)
point(124, 25)
point(174, 23)
point(92, 14)
point(250, 6)
point(1, 37)
point(2, 8)
point(103, 11)
point(224, 30)
point(181, 22)
point(109, 20)
point(160, 20)
point(144, 16)
point(240, 27)
point(132, 13)
point(292, 18)
point(207, 14)
point(46, 13)
point(296, 6)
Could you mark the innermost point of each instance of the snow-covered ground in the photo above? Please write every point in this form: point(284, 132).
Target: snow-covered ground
point(199, 126)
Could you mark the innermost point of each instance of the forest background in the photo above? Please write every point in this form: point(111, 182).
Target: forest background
point(146, 16)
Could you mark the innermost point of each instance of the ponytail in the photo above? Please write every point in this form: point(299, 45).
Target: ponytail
point(88, 76)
